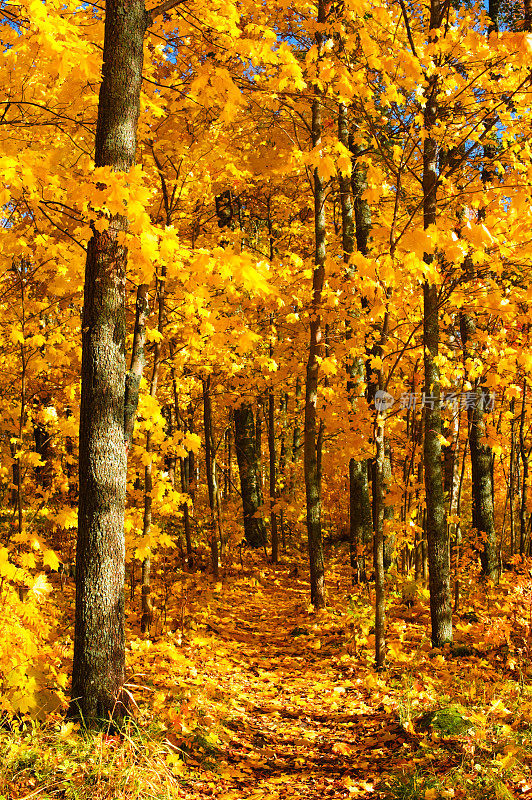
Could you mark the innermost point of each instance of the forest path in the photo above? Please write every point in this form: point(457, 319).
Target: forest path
point(304, 717)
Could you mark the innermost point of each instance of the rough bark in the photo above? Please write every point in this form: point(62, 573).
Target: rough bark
point(99, 649)
point(248, 467)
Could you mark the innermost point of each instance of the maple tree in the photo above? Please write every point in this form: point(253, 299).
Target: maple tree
point(306, 233)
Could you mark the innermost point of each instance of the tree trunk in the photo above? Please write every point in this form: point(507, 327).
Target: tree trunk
point(273, 477)
point(99, 647)
point(283, 408)
point(136, 367)
point(359, 504)
point(511, 482)
point(389, 540)
point(524, 479)
point(437, 533)
point(210, 468)
point(481, 466)
point(378, 544)
point(248, 467)
point(296, 437)
point(147, 612)
point(185, 482)
point(310, 463)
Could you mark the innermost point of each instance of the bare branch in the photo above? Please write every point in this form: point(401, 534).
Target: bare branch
point(162, 8)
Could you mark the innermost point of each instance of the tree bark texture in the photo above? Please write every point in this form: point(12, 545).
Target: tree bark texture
point(378, 544)
point(359, 504)
point(310, 444)
point(99, 650)
point(138, 361)
point(248, 467)
point(523, 452)
point(437, 533)
point(273, 475)
point(481, 467)
point(210, 468)
point(147, 609)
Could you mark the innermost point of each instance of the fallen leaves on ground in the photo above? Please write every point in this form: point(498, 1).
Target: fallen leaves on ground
point(247, 692)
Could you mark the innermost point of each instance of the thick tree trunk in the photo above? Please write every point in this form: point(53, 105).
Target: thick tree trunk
point(437, 533)
point(248, 467)
point(99, 649)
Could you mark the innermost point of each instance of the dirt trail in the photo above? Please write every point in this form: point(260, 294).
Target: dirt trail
point(305, 721)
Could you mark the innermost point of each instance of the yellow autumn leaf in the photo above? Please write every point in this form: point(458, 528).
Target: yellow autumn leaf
point(50, 559)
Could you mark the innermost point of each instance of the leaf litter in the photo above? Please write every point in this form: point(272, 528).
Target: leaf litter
point(239, 706)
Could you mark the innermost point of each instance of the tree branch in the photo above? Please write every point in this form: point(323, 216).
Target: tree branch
point(407, 26)
point(162, 8)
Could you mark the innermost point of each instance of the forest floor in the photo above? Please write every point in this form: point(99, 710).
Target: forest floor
point(244, 691)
